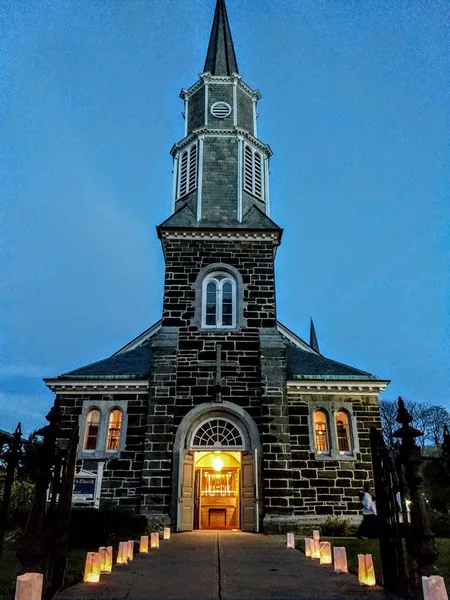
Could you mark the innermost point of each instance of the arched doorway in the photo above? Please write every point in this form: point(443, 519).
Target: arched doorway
point(216, 477)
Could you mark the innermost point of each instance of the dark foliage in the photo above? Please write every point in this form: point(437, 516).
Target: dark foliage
point(91, 528)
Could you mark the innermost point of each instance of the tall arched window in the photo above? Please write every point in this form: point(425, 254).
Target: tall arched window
point(219, 301)
point(321, 431)
point(114, 425)
point(343, 432)
point(92, 427)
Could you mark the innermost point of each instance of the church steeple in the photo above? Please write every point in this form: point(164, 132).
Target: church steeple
point(221, 57)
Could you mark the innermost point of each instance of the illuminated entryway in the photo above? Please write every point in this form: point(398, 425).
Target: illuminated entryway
point(216, 490)
point(217, 470)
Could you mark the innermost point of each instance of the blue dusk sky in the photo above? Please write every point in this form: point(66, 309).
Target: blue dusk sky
point(356, 109)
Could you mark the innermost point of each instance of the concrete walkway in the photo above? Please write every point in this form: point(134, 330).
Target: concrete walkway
point(224, 566)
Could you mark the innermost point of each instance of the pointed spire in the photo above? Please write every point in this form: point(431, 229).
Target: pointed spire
point(221, 58)
point(313, 337)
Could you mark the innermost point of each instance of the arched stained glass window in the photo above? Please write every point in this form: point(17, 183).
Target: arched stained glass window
point(219, 301)
point(343, 432)
point(92, 427)
point(321, 431)
point(217, 433)
point(114, 426)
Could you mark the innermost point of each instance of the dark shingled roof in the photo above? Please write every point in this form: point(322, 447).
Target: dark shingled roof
point(254, 218)
point(221, 57)
point(308, 365)
point(133, 364)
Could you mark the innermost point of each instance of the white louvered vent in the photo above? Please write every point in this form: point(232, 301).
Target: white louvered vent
point(220, 110)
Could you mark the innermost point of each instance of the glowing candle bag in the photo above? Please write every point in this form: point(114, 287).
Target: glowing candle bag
point(122, 555)
point(290, 540)
point(325, 553)
point(340, 559)
point(316, 535)
point(29, 586)
point(105, 559)
point(308, 547)
point(315, 549)
point(143, 546)
point(130, 549)
point(366, 572)
point(92, 568)
point(154, 539)
point(167, 533)
point(434, 588)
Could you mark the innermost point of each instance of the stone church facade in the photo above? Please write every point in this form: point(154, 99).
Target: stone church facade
point(218, 415)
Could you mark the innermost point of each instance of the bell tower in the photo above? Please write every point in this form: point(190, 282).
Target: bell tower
point(221, 168)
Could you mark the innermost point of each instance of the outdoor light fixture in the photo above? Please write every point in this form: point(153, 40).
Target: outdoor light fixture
point(308, 547)
point(29, 586)
point(434, 588)
point(325, 553)
point(143, 546)
point(316, 535)
point(154, 539)
point(167, 533)
point(366, 573)
point(218, 464)
point(122, 555)
point(315, 549)
point(130, 549)
point(290, 540)
point(92, 568)
point(340, 559)
point(105, 559)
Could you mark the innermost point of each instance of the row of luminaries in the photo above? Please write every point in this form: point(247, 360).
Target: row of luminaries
point(101, 561)
point(314, 548)
point(29, 586)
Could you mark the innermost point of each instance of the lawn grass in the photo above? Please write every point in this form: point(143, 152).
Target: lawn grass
point(9, 566)
point(355, 546)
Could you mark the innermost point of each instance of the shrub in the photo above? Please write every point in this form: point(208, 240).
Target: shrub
point(337, 527)
point(91, 527)
point(440, 523)
point(155, 524)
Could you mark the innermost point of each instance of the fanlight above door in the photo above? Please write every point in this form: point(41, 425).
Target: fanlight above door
point(218, 433)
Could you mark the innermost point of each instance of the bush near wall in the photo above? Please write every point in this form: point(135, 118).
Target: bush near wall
point(91, 527)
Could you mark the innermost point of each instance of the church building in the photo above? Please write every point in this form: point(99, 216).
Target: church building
point(218, 415)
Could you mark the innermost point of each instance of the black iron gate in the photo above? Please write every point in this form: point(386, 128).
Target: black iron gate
point(390, 519)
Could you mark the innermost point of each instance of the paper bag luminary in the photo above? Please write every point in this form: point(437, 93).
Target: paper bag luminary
point(29, 586)
point(92, 568)
point(105, 559)
point(434, 588)
point(154, 539)
point(290, 540)
point(122, 555)
point(325, 553)
point(143, 546)
point(366, 572)
point(167, 533)
point(340, 559)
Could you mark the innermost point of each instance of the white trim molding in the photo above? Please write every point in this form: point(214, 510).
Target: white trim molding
point(239, 175)
point(214, 234)
point(201, 140)
point(116, 386)
point(207, 132)
point(337, 387)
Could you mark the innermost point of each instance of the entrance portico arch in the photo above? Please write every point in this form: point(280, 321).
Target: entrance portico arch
point(214, 427)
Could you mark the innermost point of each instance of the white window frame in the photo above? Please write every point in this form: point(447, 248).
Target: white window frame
point(219, 283)
point(331, 409)
point(189, 188)
point(105, 407)
point(350, 432)
point(249, 177)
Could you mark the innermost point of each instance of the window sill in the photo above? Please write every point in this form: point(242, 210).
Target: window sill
point(99, 454)
point(334, 455)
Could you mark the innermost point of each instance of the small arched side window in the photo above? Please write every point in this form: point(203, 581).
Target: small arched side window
point(343, 432)
point(321, 432)
point(92, 427)
point(114, 426)
point(219, 301)
point(187, 178)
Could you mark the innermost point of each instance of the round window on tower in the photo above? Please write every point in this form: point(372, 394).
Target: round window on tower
point(220, 110)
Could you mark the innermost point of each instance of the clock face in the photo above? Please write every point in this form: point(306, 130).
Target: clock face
point(220, 110)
